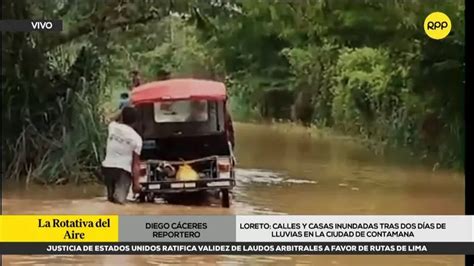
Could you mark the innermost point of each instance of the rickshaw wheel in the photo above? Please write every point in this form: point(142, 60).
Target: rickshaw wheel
point(150, 198)
point(225, 200)
point(142, 197)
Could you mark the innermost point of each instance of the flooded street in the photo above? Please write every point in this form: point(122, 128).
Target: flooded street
point(280, 171)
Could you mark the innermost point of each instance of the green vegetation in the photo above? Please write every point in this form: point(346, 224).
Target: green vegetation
point(364, 68)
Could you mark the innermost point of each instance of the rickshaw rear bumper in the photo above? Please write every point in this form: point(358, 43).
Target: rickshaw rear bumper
point(174, 186)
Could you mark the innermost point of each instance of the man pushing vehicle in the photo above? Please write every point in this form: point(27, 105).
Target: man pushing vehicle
point(121, 166)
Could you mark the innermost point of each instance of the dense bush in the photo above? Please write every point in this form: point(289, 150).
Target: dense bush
point(361, 88)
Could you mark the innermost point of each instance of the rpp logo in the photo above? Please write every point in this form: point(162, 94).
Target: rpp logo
point(433, 25)
point(437, 25)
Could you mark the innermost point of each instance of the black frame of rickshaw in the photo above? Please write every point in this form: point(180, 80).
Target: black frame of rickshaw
point(200, 184)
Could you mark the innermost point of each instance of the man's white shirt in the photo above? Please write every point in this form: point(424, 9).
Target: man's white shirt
point(122, 142)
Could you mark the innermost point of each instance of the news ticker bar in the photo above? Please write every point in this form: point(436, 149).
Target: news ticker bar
point(244, 248)
point(441, 234)
point(31, 25)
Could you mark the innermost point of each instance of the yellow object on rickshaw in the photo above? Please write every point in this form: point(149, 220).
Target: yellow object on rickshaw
point(186, 173)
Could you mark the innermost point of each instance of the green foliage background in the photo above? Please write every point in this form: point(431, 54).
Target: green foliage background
point(365, 68)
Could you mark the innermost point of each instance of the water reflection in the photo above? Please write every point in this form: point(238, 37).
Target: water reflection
point(282, 170)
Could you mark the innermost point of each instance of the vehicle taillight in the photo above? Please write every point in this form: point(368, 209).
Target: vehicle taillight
point(142, 173)
point(224, 165)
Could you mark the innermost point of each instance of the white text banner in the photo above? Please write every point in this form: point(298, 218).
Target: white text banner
point(367, 228)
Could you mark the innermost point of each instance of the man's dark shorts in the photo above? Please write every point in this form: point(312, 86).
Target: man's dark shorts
point(118, 182)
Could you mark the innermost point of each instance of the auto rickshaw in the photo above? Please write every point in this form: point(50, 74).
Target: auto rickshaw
point(186, 148)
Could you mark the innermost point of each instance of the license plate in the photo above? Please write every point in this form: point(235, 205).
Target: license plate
point(154, 186)
point(177, 185)
point(218, 184)
point(190, 185)
point(183, 185)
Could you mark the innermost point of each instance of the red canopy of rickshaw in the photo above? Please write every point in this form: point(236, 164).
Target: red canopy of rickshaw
point(179, 89)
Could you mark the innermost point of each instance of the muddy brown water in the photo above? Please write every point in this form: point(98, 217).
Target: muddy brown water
point(281, 170)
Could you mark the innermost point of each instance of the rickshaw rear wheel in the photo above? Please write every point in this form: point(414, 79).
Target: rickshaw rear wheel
point(150, 197)
point(225, 200)
point(142, 197)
